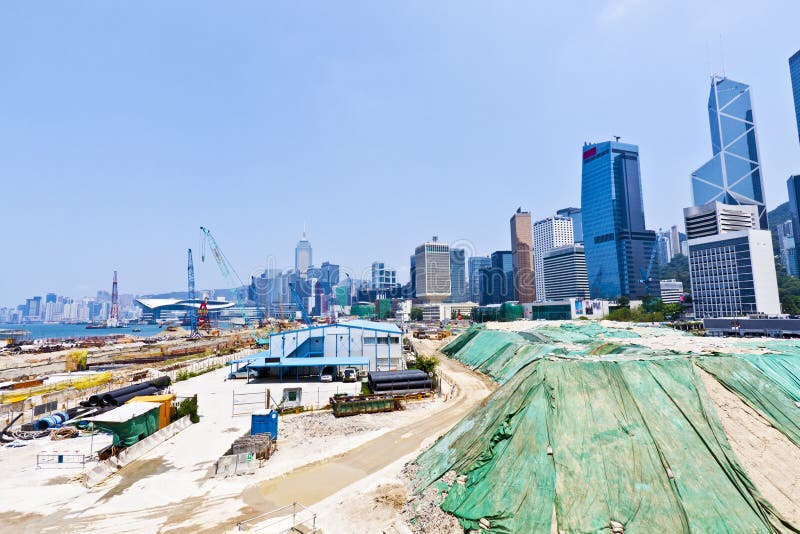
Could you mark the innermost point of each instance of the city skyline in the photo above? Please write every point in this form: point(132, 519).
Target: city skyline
point(479, 96)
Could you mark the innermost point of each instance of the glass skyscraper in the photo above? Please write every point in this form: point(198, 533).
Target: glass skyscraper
point(794, 70)
point(458, 275)
point(733, 175)
point(620, 253)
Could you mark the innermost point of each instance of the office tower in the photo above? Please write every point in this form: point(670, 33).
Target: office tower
point(793, 184)
point(475, 264)
point(716, 218)
point(733, 175)
point(458, 275)
point(497, 281)
point(671, 291)
point(794, 70)
point(548, 233)
point(788, 248)
point(564, 272)
point(619, 249)
point(522, 256)
point(413, 271)
point(675, 240)
point(432, 264)
point(330, 273)
point(731, 264)
point(383, 277)
point(663, 248)
point(577, 222)
point(302, 255)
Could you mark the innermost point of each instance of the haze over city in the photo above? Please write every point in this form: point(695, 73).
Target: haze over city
point(126, 127)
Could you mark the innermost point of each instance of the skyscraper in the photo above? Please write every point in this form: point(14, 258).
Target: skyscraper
point(522, 256)
point(458, 275)
point(302, 255)
point(497, 282)
point(733, 175)
point(794, 70)
point(788, 248)
point(663, 247)
point(565, 272)
point(549, 233)
point(475, 264)
point(731, 265)
point(793, 184)
point(619, 249)
point(383, 277)
point(432, 271)
point(577, 222)
point(675, 240)
point(413, 271)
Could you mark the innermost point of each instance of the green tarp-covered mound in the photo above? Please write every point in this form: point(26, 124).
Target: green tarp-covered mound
point(598, 443)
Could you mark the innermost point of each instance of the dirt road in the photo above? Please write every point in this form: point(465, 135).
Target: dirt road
point(313, 483)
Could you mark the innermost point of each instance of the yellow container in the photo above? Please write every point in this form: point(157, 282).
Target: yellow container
point(166, 406)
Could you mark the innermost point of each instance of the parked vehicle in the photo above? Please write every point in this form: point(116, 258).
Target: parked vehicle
point(326, 378)
point(350, 375)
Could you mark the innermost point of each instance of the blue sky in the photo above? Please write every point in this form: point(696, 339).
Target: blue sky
point(124, 126)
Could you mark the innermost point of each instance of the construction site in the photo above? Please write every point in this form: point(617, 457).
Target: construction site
point(528, 426)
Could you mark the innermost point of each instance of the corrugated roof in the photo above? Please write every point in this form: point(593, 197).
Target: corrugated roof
point(126, 412)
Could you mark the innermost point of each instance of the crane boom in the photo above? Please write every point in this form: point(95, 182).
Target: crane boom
point(227, 271)
point(192, 296)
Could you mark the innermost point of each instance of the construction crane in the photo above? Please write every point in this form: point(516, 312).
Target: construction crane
point(226, 269)
point(646, 278)
point(192, 296)
point(300, 305)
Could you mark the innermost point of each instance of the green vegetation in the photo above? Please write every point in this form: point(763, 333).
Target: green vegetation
point(677, 269)
point(188, 407)
point(185, 374)
point(425, 363)
point(365, 389)
point(788, 291)
point(652, 310)
point(416, 314)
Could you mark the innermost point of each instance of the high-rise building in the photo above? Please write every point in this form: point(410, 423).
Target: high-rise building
point(383, 277)
point(432, 266)
point(788, 248)
point(794, 70)
point(671, 291)
point(675, 241)
point(619, 249)
point(549, 233)
point(522, 256)
point(413, 271)
point(497, 282)
point(731, 264)
point(577, 222)
point(564, 272)
point(663, 248)
point(475, 264)
point(793, 184)
point(303, 258)
point(716, 218)
point(733, 175)
point(458, 275)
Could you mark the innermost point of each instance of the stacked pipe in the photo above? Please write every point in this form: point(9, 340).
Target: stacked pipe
point(120, 396)
point(410, 380)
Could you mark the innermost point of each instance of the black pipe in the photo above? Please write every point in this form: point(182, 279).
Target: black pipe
point(159, 383)
point(398, 386)
point(9, 424)
point(396, 376)
point(122, 399)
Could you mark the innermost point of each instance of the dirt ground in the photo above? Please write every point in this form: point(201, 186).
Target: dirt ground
point(768, 457)
point(169, 489)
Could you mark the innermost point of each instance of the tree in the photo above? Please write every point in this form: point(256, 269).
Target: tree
point(624, 301)
point(676, 269)
point(672, 311)
point(416, 314)
point(426, 363)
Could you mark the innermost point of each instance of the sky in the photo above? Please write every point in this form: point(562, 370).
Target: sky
point(125, 126)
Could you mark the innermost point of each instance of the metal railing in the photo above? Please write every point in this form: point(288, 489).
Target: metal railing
point(278, 520)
